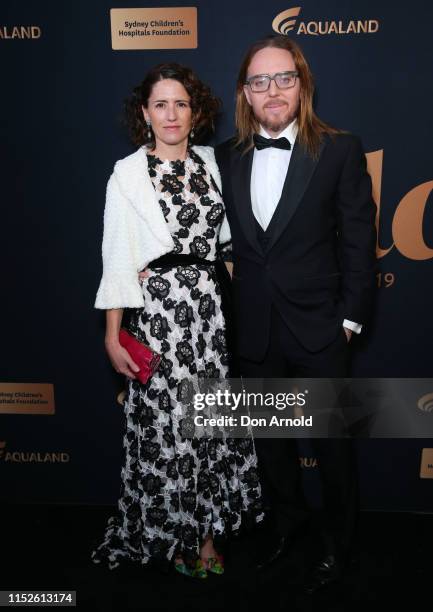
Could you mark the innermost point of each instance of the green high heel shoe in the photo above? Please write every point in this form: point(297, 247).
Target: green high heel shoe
point(215, 564)
point(198, 571)
point(182, 569)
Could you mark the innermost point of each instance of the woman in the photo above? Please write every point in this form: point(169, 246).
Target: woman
point(164, 212)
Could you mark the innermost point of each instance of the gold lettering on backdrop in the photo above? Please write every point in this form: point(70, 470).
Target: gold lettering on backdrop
point(407, 226)
point(312, 28)
point(374, 168)
point(316, 28)
point(21, 32)
point(302, 28)
point(284, 22)
point(308, 462)
point(323, 27)
point(385, 279)
point(36, 457)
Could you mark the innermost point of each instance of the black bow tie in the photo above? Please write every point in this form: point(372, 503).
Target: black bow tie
point(263, 143)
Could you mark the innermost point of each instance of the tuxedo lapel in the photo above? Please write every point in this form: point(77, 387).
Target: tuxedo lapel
point(241, 166)
point(300, 171)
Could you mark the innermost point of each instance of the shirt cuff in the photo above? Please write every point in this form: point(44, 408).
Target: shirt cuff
point(355, 327)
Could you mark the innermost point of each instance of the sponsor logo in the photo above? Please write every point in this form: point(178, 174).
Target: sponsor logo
point(308, 462)
point(20, 32)
point(156, 28)
point(426, 463)
point(425, 403)
point(26, 398)
point(287, 21)
point(15, 456)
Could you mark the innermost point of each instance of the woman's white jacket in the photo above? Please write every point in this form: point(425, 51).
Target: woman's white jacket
point(135, 230)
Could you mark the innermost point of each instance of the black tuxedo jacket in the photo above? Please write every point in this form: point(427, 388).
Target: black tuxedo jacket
point(317, 263)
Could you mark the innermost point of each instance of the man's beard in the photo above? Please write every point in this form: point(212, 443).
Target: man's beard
point(276, 124)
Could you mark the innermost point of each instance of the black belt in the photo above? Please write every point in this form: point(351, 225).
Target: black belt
point(171, 260)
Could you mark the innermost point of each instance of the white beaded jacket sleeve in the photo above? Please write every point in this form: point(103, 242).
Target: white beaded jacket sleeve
point(135, 230)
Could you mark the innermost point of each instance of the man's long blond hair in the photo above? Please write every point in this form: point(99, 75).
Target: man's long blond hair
point(310, 128)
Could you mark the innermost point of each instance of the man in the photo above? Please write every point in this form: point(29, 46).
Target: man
point(302, 219)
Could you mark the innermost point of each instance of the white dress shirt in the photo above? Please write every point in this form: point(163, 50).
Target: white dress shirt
point(268, 174)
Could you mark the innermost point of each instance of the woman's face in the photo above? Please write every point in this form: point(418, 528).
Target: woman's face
point(169, 112)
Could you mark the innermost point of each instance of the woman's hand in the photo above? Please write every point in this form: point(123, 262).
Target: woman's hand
point(143, 274)
point(121, 359)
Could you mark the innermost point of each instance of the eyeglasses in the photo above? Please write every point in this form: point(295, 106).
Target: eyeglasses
point(262, 82)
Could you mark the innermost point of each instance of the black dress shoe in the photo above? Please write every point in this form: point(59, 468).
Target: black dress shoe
point(278, 550)
point(327, 571)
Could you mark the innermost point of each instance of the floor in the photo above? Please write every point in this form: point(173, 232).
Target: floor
point(48, 547)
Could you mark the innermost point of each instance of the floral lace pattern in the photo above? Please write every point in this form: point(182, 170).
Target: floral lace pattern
point(177, 488)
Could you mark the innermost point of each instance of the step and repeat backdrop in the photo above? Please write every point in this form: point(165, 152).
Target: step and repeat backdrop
point(66, 69)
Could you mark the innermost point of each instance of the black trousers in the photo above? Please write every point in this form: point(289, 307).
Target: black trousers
point(278, 458)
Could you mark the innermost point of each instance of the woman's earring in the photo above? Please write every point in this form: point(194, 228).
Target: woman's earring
point(149, 133)
point(191, 134)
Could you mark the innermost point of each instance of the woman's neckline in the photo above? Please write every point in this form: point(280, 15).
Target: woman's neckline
point(165, 159)
point(189, 155)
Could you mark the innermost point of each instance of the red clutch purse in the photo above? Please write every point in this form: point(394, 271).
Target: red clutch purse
point(146, 358)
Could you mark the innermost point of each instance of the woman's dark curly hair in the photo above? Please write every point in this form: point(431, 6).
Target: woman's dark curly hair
point(204, 105)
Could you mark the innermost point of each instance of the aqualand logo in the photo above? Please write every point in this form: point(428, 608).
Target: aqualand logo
point(31, 456)
point(425, 403)
point(20, 32)
point(307, 462)
point(286, 22)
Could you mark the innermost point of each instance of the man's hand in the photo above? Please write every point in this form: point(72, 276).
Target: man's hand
point(348, 333)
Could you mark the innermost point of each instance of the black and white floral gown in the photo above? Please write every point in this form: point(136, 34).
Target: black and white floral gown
point(177, 490)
